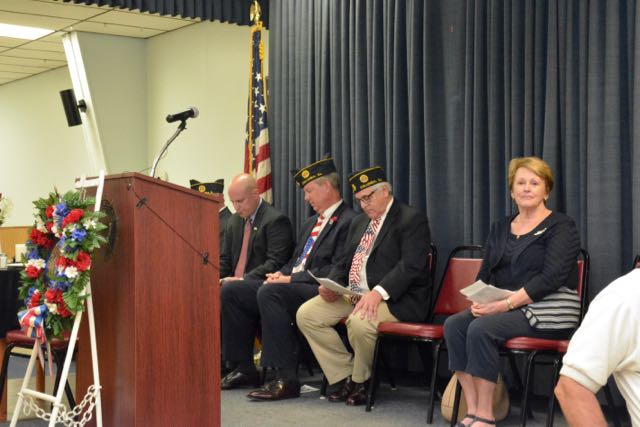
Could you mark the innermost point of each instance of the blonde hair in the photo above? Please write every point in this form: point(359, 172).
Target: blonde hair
point(535, 165)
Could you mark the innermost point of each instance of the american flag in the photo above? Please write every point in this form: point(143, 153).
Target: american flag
point(257, 158)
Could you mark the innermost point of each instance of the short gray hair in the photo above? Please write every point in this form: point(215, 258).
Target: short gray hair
point(384, 184)
point(333, 178)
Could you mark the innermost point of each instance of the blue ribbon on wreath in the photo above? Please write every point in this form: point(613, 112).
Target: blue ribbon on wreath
point(32, 322)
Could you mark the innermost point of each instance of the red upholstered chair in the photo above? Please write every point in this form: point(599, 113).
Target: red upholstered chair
point(534, 347)
point(432, 261)
point(59, 347)
point(459, 272)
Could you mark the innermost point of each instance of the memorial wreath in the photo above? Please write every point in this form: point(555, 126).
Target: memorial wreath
point(58, 263)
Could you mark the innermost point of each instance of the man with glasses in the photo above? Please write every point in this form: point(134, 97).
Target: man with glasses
point(386, 257)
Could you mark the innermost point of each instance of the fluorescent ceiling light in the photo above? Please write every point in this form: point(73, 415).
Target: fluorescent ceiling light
point(22, 32)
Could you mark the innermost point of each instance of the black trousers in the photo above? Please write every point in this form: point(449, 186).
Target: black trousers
point(247, 305)
point(473, 343)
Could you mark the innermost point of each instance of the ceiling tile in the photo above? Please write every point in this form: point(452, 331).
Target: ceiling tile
point(6, 58)
point(11, 42)
point(12, 75)
point(21, 68)
point(119, 30)
point(39, 54)
point(46, 46)
point(141, 20)
point(48, 22)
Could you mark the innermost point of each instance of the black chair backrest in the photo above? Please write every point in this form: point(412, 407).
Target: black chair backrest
point(432, 262)
point(583, 281)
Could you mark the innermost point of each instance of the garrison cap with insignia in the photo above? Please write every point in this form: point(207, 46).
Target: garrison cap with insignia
point(216, 186)
point(365, 178)
point(313, 171)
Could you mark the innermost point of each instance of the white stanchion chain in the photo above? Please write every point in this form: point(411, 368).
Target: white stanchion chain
point(67, 417)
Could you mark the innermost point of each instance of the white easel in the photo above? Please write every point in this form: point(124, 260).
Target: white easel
point(92, 397)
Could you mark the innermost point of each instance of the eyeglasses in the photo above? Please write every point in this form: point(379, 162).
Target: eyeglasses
point(366, 199)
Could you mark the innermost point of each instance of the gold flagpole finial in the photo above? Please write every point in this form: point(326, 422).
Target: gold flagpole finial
point(254, 12)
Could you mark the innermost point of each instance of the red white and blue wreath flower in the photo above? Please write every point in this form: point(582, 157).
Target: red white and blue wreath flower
point(58, 263)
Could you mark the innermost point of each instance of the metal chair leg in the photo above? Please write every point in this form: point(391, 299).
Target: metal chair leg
point(529, 370)
point(436, 347)
point(373, 381)
point(323, 386)
point(551, 407)
point(611, 404)
point(456, 404)
point(5, 368)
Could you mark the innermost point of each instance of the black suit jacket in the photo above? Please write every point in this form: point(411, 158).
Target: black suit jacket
point(546, 262)
point(397, 262)
point(326, 250)
point(270, 243)
point(223, 218)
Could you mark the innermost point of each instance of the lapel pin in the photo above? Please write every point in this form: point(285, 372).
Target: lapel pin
point(537, 233)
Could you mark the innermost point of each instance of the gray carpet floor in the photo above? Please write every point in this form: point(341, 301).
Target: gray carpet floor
point(405, 406)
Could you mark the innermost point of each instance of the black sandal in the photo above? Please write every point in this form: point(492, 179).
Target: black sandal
point(482, 420)
point(461, 424)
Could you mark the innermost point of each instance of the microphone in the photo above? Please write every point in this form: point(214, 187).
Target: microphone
point(183, 115)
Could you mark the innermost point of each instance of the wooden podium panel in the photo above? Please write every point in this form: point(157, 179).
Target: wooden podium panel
point(156, 307)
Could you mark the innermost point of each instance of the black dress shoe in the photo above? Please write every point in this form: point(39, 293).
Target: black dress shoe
point(359, 395)
point(236, 379)
point(343, 392)
point(276, 390)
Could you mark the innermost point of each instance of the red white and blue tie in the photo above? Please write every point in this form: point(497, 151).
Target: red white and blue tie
point(362, 251)
point(302, 259)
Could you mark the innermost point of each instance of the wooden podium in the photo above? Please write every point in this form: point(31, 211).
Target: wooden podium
point(156, 307)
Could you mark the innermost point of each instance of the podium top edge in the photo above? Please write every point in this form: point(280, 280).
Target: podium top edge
point(155, 181)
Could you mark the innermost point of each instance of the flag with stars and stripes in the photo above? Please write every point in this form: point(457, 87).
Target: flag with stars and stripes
point(257, 158)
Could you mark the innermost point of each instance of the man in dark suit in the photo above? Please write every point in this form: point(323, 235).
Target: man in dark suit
point(272, 303)
point(258, 237)
point(385, 258)
point(215, 188)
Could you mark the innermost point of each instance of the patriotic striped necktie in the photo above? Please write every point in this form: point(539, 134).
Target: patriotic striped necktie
point(302, 259)
point(358, 258)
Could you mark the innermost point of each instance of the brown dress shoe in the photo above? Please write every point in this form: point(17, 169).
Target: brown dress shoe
point(359, 395)
point(277, 389)
point(235, 379)
point(343, 392)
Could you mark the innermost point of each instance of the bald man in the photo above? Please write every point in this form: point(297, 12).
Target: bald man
point(258, 238)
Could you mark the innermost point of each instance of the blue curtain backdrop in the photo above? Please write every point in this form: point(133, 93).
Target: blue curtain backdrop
point(231, 11)
point(443, 93)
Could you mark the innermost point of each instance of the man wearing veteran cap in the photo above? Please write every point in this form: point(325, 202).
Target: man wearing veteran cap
point(272, 303)
point(216, 188)
point(386, 256)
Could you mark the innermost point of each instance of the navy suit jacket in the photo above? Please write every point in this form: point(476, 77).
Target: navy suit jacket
point(327, 248)
point(546, 262)
point(397, 262)
point(270, 243)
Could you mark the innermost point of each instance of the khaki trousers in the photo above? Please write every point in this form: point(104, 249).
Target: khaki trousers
point(316, 319)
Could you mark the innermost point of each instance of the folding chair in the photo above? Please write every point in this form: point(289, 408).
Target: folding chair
point(432, 260)
point(459, 273)
point(17, 339)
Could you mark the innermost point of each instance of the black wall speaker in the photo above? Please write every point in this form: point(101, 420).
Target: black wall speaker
point(70, 107)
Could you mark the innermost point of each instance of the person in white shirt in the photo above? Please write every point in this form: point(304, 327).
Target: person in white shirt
point(607, 343)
